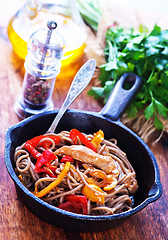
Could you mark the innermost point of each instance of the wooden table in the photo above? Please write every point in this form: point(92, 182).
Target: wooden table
point(16, 221)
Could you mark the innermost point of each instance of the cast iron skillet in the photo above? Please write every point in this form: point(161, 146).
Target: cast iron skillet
point(137, 151)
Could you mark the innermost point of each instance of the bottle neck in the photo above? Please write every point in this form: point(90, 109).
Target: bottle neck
point(32, 8)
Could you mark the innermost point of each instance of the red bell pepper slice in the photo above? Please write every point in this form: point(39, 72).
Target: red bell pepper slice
point(35, 154)
point(49, 171)
point(46, 144)
point(75, 203)
point(67, 206)
point(34, 141)
point(44, 159)
point(73, 135)
point(66, 158)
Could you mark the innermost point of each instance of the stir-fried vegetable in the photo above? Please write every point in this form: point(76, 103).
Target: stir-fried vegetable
point(39, 140)
point(44, 159)
point(52, 185)
point(35, 154)
point(97, 196)
point(75, 203)
point(111, 182)
point(43, 163)
point(98, 138)
point(74, 133)
point(66, 158)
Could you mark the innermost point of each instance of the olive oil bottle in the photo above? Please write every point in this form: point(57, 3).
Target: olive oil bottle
point(35, 14)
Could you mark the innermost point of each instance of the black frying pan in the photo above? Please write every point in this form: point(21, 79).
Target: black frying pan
point(137, 151)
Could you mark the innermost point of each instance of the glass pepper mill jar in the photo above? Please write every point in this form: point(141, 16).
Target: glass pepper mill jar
point(42, 65)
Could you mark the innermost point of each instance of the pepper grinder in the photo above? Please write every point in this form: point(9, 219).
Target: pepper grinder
point(42, 65)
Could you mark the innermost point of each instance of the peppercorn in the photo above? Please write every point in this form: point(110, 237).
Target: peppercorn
point(37, 90)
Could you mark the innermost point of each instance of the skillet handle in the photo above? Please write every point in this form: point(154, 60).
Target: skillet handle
point(155, 192)
point(120, 98)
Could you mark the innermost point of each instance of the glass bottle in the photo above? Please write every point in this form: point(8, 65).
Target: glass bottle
point(42, 65)
point(35, 14)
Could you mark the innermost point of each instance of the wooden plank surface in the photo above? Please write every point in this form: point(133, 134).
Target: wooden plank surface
point(16, 221)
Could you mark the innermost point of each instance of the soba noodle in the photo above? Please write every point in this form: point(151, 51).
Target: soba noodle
point(117, 198)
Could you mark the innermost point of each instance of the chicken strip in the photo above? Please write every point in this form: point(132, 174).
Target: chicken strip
point(86, 155)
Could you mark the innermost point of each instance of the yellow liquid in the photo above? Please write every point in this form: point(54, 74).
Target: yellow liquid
point(75, 45)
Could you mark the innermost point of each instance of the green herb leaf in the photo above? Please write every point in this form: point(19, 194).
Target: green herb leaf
point(149, 111)
point(157, 123)
point(161, 109)
point(132, 110)
point(97, 92)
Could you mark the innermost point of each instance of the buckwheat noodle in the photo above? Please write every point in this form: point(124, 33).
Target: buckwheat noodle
point(117, 200)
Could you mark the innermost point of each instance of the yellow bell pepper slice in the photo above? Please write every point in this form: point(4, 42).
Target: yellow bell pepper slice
point(20, 178)
point(91, 195)
point(90, 181)
point(112, 182)
point(98, 138)
point(52, 185)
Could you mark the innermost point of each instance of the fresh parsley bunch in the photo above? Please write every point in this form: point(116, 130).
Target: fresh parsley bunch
point(145, 54)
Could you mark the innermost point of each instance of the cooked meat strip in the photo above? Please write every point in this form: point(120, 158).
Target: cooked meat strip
point(86, 155)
